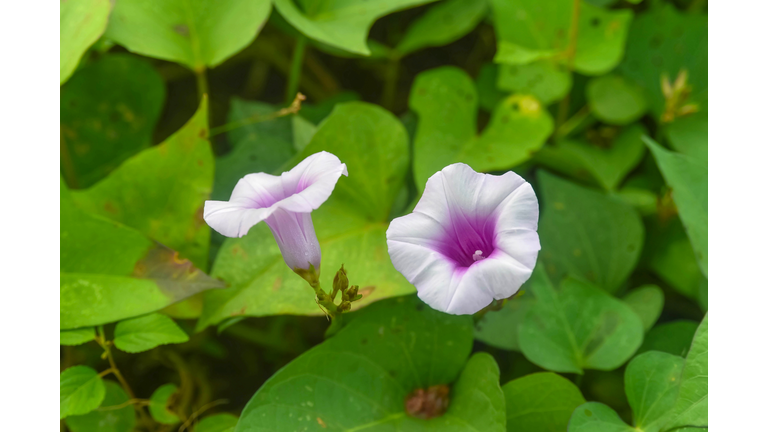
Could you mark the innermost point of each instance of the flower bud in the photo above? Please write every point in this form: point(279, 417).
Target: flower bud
point(345, 306)
point(352, 292)
point(340, 281)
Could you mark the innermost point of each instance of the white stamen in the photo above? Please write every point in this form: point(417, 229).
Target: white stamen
point(478, 256)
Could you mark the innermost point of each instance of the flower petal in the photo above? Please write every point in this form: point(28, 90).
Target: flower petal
point(310, 183)
point(233, 219)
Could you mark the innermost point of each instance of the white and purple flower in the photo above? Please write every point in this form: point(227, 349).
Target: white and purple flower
point(285, 203)
point(471, 239)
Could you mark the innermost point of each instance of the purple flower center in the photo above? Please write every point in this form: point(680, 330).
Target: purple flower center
point(468, 240)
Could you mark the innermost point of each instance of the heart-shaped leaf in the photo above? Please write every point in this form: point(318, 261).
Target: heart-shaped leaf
point(108, 112)
point(160, 403)
point(647, 301)
point(354, 381)
point(673, 337)
point(197, 34)
point(217, 423)
point(540, 402)
point(586, 234)
point(77, 336)
point(350, 227)
point(615, 100)
point(446, 101)
point(580, 327)
point(82, 23)
point(547, 80)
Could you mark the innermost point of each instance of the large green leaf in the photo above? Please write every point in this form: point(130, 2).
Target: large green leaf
point(547, 80)
point(530, 30)
point(359, 379)
point(442, 24)
point(111, 272)
point(540, 402)
point(647, 301)
point(615, 100)
point(580, 327)
point(341, 24)
point(108, 111)
point(259, 147)
point(161, 191)
point(597, 417)
point(586, 234)
point(688, 179)
point(663, 41)
point(446, 101)
point(350, 227)
point(691, 406)
point(146, 332)
point(499, 328)
point(652, 382)
point(195, 33)
point(608, 165)
point(81, 391)
point(109, 417)
point(82, 23)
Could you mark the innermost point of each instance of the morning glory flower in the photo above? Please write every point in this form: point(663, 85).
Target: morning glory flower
point(284, 202)
point(471, 239)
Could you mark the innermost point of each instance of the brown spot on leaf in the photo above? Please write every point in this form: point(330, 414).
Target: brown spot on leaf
point(181, 29)
point(428, 404)
point(365, 291)
point(203, 133)
point(237, 250)
point(200, 162)
point(277, 284)
point(109, 207)
point(321, 423)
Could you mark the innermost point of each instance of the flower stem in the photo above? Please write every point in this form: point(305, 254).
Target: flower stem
point(294, 75)
point(202, 82)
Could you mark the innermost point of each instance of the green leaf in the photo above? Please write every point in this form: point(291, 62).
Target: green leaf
point(488, 95)
point(609, 165)
point(146, 332)
point(615, 100)
point(108, 112)
point(106, 418)
point(647, 301)
point(317, 112)
point(544, 79)
point(673, 337)
point(111, 272)
point(259, 147)
point(197, 34)
point(580, 327)
point(161, 191)
point(687, 177)
point(81, 390)
point(530, 30)
point(662, 41)
point(77, 336)
point(82, 23)
point(499, 328)
point(586, 234)
point(359, 378)
point(351, 226)
point(652, 382)
point(689, 135)
point(160, 404)
point(442, 24)
point(671, 257)
point(540, 402)
point(691, 406)
point(338, 23)
point(446, 101)
point(596, 417)
point(217, 423)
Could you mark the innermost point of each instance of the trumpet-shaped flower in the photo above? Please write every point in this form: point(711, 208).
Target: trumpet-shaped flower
point(471, 239)
point(284, 202)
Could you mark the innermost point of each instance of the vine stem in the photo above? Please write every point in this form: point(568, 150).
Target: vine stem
point(202, 82)
point(105, 344)
point(294, 75)
point(291, 109)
